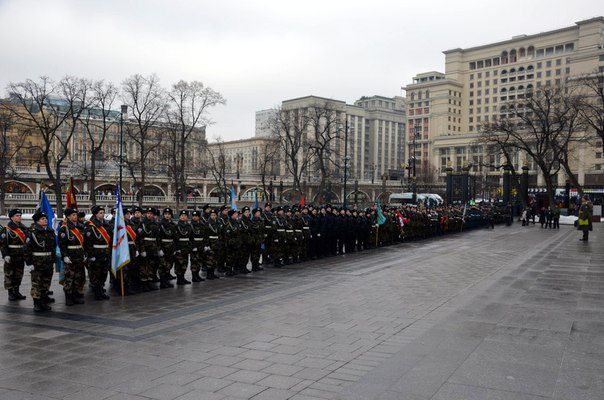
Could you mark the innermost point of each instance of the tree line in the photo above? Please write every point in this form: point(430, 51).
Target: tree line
point(42, 116)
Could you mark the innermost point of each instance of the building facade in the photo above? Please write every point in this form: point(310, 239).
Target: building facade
point(263, 123)
point(446, 110)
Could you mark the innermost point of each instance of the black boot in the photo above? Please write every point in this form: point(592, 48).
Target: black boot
point(46, 299)
point(12, 295)
point(77, 298)
point(151, 286)
point(172, 277)
point(69, 299)
point(18, 294)
point(195, 277)
point(211, 275)
point(165, 284)
point(39, 306)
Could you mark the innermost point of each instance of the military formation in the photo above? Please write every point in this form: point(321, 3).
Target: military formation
point(209, 243)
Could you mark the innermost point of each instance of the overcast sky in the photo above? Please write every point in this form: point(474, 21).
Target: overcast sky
point(258, 53)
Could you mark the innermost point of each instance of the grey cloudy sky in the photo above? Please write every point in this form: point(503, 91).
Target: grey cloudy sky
point(258, 53)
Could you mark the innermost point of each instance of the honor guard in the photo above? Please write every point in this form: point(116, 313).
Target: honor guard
point(12, 246)
point(183, 247)
point(71, 243)
point(167, 237)
point(97, 242)
point(41, 246)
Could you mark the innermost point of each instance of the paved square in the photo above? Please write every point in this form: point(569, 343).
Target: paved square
point(514, 313)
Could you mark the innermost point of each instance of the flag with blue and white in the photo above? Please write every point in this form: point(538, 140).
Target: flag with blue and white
point(53, 223)
point(120, 254)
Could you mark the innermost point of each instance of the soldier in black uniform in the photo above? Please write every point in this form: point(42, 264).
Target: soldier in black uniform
point(232, 232)
point(98, 244)
point(147, 236)
point(40, 250)
point(269, 231)
point(71, 243)
point(306, 236)
point(184, 234)
point(132, 218)
point(167, 237)
point(256, 238)
point(221, 257)
point(246, 240)
point(198, 237)
point(12, 246)
point(279, 244)
point(315, 220)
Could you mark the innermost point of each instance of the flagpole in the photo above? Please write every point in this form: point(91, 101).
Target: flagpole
point(377, 234)
point(122, 280)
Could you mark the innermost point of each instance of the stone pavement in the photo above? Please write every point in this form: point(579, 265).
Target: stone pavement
point(513, 313)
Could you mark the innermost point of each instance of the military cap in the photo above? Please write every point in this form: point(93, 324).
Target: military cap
point(38, 215)
point(223, 207)
point(81, 214)
point(96, 209)
point(244, 209)
point(279, 208)
point(136, 208)
point(214, 211)
point(255, 210)
point(267, 204)
point(196, 213)
point(205, 207)
point(168, 210)
point(113, 209)
point(14, 212)
point(150, 210)
point(128, 210)
point(183, 212)
point(231, 212)
point(70, 210)
point(286, 209)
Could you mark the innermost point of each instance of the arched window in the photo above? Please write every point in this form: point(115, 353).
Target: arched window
point(504, 57)
point(513, 56)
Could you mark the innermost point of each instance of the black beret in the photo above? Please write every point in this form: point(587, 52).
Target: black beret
point(70, 210)
point(137, 208)
point(205, 207)
point(255, 210)
point(81, 214)
point(37, 215)
point(214, 211)
point(14, 212)
point(96, 209)
point(223, 207)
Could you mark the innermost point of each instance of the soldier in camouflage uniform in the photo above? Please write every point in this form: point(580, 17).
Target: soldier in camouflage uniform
point(221, 256)
point(256, 238)
point(214, 236)
point(41, 253)
point(12, 246)
point(167, 237)
point(71, 243)
point(184, 234)
point(98, 244)
point(147, 238)
point(198, 237)
point(306, 237)
point(279, 244)
point(232, 232)
point(267, 217)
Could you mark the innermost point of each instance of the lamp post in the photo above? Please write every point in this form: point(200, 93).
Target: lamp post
point(123, 115)
point(416, 131)
point(346, 159)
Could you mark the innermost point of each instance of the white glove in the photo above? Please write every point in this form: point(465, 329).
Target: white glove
point(7, 259)
point(318, 235)
point(67, 260)
point(177, 252)
point(136, 253)
point(207, 248)
point(92, 259)
point(160, 253)
point(143, 254)
point(194, 249)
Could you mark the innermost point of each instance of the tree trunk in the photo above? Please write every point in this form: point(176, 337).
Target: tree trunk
point(183, 163)
point(141, 190)
point(2, 193)
point(93, 178)
point(59, 192)
point(572, 178)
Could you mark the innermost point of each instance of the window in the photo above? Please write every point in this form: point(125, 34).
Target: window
point(598, 155)
point(471, 77)
point(539, 74)
point(548, 73)
point(539, 65)
point(558, 72)
point(567, 70)
point(558, 62)
point(548, 64)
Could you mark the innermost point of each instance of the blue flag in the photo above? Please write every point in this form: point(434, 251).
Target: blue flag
point(120, 253)
point(233, 198)
point(53, 223)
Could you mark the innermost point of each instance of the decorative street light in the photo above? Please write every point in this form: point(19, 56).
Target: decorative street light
point(123, 115)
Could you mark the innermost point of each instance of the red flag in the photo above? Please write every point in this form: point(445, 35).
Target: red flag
point(71, 199)
point(401, 220)
point(302, 201)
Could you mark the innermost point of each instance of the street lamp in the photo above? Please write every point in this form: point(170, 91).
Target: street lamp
point(416, 132)
point(346, 160)
point(123, 115)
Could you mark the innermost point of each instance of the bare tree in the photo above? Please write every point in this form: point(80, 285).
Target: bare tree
point(534, 125)
point(291, 128)
point(189, 103)
point(592, 103)
point(53, 110)
point(324, 124)
point(146, 100)
point(216, 163)
point(268, 162)
point(12, 142)
point(98, 122)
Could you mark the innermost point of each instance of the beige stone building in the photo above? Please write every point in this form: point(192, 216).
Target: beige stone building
point(248, 155)
point(446, 110)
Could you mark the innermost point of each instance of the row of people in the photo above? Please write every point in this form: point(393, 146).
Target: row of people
point(216, 242)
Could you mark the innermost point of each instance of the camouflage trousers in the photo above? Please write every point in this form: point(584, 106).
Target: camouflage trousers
point(233, 255)
point(13, 273)
point(41, 276)
point(181, 262)
point(148, 267)
point(279, 248)
point(75, 276)
point(255, 250)
point(165, 265)
point(198, 260)
point(98, 270)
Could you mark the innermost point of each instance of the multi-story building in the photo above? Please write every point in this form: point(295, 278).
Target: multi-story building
point(446, 110)
point(249, 157)
point(376, 127)
point(263, 122)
